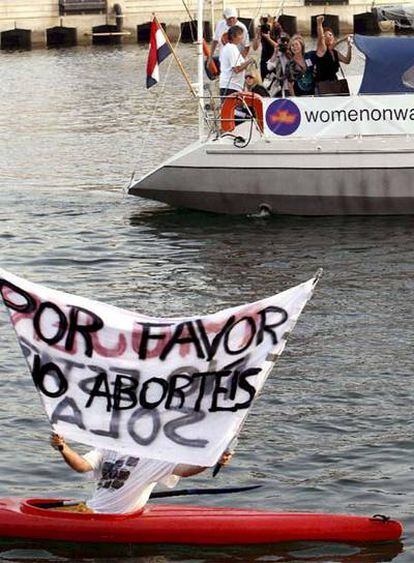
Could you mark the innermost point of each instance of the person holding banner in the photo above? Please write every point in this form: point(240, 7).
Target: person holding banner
point(124, 483)
point(99, 370)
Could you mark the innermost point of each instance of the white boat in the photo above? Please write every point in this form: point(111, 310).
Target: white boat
point(331, 155)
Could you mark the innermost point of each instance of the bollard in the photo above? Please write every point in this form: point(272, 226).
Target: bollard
point(102, 35)
point(60, 36)
point(330, 20)
point(366, 24)
point(289, 24)
point(189, 31)
point(16, 39)
point(144, 31)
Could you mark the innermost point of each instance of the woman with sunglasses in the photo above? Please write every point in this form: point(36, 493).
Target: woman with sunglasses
point(254, 84)
point(328, 58)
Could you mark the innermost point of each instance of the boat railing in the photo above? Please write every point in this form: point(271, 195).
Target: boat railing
point(353, 116)
point(221, 125)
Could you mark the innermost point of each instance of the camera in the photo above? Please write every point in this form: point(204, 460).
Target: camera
point(283, 44)
point(264, 25)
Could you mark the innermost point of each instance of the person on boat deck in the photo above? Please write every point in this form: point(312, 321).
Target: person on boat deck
point(254, 83)
point(299, 69)
point(327, 57)
point(268, 35)
point(229, 20)
point(275, 81)
point(232, 64)
point(124, 483)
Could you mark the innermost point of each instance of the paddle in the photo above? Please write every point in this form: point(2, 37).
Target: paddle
point(218, 491)
point(162, 494)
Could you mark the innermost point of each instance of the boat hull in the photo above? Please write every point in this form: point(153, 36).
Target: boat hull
point(179, 524)
point(314, 181)
point(235, 200)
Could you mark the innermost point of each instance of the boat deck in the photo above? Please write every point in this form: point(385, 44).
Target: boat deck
point(354, 144)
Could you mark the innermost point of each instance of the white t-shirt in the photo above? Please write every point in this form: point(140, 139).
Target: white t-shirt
point(222, 27)
point(125, 483)
point(230, 57)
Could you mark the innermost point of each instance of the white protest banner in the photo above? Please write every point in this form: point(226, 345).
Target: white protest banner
point(339, 116)
point(175, 389)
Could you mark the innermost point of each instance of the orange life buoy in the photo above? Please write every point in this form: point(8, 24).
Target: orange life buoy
point(211, 65)
point(230, 103)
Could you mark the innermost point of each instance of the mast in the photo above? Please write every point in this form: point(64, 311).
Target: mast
point(200, 58)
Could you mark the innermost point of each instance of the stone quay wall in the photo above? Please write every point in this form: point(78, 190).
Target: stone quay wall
point(39, 15)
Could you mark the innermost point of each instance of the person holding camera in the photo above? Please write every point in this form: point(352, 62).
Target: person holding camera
point(275, 81)
point(268, 36)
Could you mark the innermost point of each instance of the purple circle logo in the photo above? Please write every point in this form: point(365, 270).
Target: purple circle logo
point(283, 117)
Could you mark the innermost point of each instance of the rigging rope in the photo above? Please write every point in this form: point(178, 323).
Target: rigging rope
point(161, 92)
point(151, 120)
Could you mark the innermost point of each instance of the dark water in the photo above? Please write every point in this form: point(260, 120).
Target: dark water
point(333, 431)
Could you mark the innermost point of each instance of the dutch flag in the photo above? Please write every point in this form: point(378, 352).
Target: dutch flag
point(159, 50)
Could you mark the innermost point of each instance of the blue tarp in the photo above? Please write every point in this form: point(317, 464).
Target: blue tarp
point(387, 59)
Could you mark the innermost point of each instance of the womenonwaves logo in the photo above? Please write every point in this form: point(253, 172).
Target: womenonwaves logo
point(283, 117)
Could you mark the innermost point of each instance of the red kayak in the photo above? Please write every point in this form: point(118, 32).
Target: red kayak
point(179, 524)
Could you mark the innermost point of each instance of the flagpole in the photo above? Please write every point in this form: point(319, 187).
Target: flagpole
point(200, 59)
point(198, 96)
point(177, 60)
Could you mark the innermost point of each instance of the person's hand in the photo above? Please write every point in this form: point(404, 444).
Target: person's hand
point(57, 442)
point(225, 458)
point(350, 39)
point(320, 19)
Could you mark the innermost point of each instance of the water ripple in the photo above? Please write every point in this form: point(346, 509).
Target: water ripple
point(333, 432)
